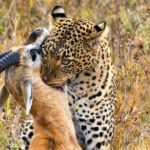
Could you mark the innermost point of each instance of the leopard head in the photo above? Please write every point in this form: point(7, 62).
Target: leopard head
point(67, 51)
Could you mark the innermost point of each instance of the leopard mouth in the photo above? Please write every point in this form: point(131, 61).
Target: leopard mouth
point(58, 84)
point(59, 87)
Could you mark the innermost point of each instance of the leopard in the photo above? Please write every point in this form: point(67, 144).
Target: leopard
point(77, 54)
point(25, 134)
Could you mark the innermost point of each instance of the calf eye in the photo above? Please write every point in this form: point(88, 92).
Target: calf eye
point(33, 55)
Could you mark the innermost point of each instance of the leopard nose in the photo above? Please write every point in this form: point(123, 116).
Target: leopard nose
point(49, 76)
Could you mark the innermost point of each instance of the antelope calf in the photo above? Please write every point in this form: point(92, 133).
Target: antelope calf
point(54, 128)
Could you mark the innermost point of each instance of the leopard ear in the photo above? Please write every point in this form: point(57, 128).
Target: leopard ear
point(58, 12)
point(51, 23)
point(97, 30)
point(100, 27)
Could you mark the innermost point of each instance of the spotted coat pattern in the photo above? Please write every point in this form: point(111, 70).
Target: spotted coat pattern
point(76, 54)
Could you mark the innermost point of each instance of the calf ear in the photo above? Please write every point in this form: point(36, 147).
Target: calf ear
point(4, 94)
point(26, 87)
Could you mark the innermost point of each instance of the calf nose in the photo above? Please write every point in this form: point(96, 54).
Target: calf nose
point(34, 36)
point(34, 53)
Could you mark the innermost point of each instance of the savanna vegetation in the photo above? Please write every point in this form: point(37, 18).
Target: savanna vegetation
point(129, 38)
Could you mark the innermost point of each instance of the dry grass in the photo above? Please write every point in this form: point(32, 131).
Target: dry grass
point(129, 22)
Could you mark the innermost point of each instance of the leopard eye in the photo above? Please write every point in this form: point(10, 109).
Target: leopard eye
point(66, 62)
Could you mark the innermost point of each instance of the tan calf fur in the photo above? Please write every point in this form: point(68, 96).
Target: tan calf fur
point(54, 128)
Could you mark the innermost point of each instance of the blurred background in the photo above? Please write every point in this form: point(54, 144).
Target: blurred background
point(129, 38)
